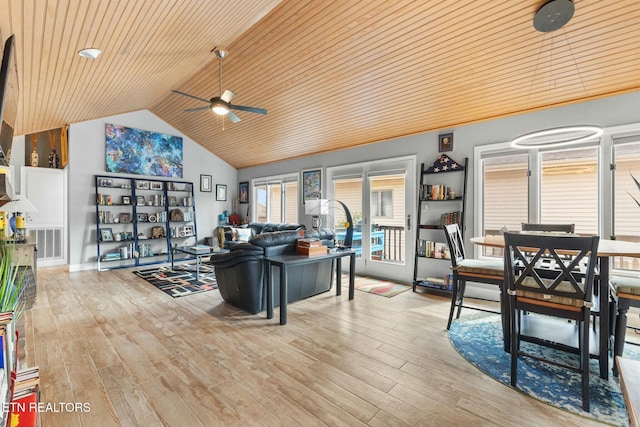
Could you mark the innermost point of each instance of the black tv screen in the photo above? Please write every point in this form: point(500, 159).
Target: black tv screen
point(9, 90)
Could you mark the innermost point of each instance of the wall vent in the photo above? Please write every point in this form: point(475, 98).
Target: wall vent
point(49, 243)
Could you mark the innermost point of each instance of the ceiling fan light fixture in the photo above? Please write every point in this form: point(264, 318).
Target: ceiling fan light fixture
point(90, 53)
point(220, 108)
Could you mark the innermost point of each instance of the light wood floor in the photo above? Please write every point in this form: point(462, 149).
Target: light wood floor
point(141, 358)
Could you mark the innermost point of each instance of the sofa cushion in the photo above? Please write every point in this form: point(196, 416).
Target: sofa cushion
point(275, 238)
point(242, 234)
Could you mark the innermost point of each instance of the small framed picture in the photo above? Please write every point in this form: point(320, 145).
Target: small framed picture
point(140, 201)
point(106, 235)
point(124, 217)
point(156, 185)
point(142, 217)
point(221, 193)
point(126, 200)
point(142, 185)
point(205, 183)
point(445, 142)
point(311, 184)
point(243, 192)
point(173, 201)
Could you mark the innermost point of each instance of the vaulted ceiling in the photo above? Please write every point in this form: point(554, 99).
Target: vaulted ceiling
point(332, 74)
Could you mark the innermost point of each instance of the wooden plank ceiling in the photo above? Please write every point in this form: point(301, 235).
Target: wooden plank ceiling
point(332, 74)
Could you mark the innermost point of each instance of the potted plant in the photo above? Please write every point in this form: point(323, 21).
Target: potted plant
point(11, 279)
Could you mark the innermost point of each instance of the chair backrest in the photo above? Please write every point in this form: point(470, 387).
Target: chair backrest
point(455, 242)
point(558, 268)
point(562, 228)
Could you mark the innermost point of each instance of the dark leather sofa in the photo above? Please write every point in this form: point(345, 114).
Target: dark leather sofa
point(259, 228)
point(240, 273)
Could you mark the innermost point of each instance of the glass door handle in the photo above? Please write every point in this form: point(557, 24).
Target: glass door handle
point(408, 222)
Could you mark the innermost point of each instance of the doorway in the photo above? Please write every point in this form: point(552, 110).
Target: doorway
point(381, 198)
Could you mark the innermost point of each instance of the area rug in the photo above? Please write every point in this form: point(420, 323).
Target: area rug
point(181, 281)
point(478, 338)
point(376, 286)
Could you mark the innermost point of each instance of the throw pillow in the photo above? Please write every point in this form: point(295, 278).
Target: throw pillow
point(244, 234)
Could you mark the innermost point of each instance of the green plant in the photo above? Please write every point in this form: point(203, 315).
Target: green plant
point(11, 278)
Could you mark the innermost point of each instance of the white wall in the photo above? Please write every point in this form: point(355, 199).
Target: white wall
point(607, 112)
point(87, 158)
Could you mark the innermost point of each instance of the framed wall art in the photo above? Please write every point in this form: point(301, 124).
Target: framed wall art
point(243, 192)
point(221, 193)
point(205, 183)
point(142, 152)
point(311, 184)
point(445, 142)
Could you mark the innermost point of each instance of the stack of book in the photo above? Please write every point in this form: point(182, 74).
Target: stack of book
point(310, 247)
point(26, 397)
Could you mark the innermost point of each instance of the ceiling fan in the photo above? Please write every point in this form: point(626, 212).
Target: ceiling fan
point(221, 105)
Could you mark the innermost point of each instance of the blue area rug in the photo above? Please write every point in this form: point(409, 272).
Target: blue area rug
point(478, 338)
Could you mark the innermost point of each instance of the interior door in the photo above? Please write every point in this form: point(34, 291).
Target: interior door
point(380, 197)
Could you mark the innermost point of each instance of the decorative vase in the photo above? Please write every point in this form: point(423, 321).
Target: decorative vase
point(54, 160)
point(35, 159)
point(12, 223)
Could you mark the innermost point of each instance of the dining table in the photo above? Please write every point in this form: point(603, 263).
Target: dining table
point(606, 250)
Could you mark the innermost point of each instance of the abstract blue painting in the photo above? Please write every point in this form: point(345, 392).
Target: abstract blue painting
point(143, 152)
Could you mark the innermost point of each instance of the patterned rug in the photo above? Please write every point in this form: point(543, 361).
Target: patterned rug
point(478, 338)
point(181, 281)
point(376, 286)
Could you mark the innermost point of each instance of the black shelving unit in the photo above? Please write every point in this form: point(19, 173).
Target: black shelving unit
point(139, 219)
point(437, 206)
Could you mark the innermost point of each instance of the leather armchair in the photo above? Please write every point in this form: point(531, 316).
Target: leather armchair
point(241, 273)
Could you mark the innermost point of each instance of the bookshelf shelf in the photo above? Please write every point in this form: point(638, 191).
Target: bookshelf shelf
point(135, 220)
point(441, 200)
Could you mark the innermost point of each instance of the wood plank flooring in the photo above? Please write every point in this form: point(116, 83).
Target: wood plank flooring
point(141, 358)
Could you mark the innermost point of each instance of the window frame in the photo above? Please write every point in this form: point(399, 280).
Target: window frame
point(283, 181)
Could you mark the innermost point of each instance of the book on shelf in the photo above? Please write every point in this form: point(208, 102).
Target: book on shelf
point(201, 248)
point(429, 249)
point(450, 218)
point(435, 192)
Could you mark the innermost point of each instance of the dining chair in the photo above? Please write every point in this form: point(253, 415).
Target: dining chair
point(469, 270)
point(549, 292)
point(627, 291)
point(559, 228)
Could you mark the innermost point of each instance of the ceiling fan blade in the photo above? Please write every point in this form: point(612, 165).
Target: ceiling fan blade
point(193, 110)
point(228, 95)
point(250, 109)
point(232, 116)
point(190, 96)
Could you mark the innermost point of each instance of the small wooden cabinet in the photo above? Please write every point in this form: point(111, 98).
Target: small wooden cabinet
point(25, 256)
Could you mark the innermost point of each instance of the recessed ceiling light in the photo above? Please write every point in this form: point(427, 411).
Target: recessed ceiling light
point(91, 53)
